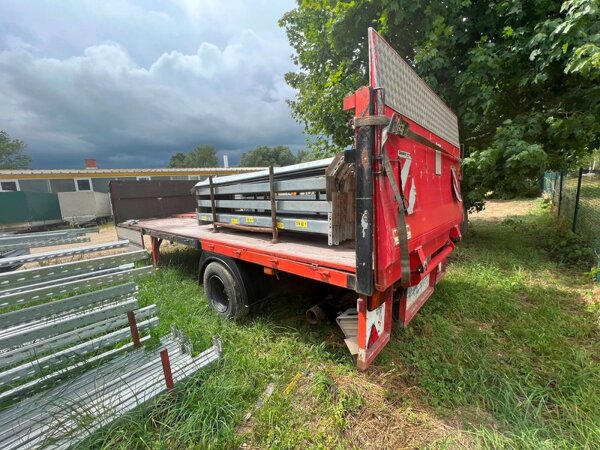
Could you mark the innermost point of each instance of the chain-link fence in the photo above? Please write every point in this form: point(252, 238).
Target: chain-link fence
point(576, 197)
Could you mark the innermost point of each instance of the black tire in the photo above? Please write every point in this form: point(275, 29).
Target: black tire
point(223, 292)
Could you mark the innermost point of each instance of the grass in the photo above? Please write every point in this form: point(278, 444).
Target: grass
point(506, 354)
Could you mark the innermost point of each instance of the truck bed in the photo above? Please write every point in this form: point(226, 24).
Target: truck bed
point(293, 248)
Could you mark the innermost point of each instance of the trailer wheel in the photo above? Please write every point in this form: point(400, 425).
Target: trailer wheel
point(223, 291)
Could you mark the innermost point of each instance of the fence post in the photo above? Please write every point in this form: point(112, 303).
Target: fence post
point(577, 200)
point(560, 184)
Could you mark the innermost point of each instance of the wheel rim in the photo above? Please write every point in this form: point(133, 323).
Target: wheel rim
point(219, 297)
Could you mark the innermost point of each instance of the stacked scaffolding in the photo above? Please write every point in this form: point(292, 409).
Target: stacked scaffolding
point(315, 197)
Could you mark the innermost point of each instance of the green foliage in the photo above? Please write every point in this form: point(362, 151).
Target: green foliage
point(305, 156)
point(271, 156)
point(510, 167)
point(201, 156)
point(12, 154)
point(534, 63)
point(570, 249)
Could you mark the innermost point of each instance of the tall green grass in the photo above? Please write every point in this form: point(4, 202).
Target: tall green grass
point(507, 352)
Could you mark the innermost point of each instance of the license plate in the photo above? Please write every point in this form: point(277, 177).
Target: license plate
point(414, 292)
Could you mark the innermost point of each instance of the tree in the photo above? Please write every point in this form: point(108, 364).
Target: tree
point(201, 156)
point(304, 156)
point(521, 75)
point(12, 154)
point(268, 156)
point(177, 160)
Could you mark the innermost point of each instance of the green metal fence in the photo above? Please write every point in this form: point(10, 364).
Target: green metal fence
point(27, 207)
point(576, 196)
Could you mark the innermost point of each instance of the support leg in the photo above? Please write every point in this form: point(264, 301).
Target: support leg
point(155, 250)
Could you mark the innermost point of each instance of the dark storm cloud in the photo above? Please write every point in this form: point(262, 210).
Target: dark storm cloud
point(72, 98)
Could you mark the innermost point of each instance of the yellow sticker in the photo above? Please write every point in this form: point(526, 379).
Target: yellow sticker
point(301, 223)
point(235, 220)
point(280, 225)
point(205, 218)
point(249, 219)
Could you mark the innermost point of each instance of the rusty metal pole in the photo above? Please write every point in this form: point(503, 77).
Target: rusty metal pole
point(135, 335)
point(213, 204)
point(273, 205)
point(155, 250)
point(166, 365)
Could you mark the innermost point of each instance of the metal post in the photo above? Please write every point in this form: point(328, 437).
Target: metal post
point(273, 204)
point(577, 200)
point(365, 148)
point(213, 204)
point(166, 365)
point(155, 250)
point(560, 188)
point(135, 335)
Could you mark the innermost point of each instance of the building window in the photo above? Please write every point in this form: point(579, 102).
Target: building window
point(83, 184)
point(9, 186)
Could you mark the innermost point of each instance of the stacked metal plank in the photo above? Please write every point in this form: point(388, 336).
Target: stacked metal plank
point(50, 326)
point(14, 245)
point(71, 356)
point(45, 238)
point(67, 414)
point(315, 197)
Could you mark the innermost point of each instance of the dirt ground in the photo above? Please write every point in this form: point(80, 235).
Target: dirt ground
point(496, 210)
point(106, 234)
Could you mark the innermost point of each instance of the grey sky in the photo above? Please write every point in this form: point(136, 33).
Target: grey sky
point(131, 82)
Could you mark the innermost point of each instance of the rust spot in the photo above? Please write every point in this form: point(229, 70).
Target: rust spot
point(364, 159)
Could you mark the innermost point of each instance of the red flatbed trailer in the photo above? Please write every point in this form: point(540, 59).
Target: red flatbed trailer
point(408, 209)
point(298, 255)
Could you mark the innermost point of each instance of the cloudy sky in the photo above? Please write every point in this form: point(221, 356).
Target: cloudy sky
point(130, 82)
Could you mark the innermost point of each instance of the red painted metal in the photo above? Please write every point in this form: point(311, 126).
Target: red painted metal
point(432, 222)
point(284, 264)
point(367, 351)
